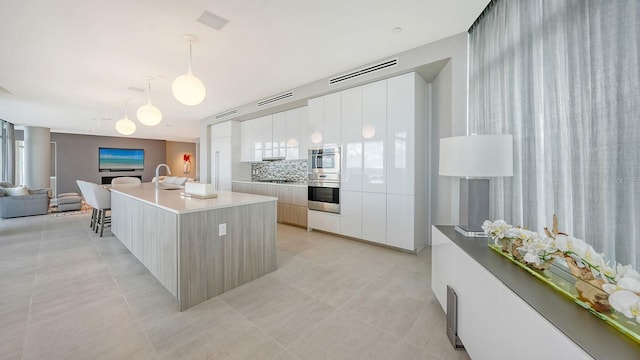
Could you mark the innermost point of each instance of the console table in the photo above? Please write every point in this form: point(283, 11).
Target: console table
point(505, 313)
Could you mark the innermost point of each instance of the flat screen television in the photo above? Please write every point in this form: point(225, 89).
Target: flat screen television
point(112, 159)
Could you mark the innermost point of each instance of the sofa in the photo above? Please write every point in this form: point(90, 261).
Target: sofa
point(20, 201)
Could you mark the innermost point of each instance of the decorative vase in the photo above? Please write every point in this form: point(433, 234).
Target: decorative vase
point(186, 167)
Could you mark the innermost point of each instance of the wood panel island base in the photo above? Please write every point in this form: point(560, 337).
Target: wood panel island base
point(196, 248)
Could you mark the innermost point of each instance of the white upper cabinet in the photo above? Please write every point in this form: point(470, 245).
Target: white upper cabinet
point(303, 137)
point(279, 138)
point(374, 129)
point(294, 132)
point(401, 129)
point(351, 176)
point(246, 141)
point(282, 134)
point(325, 120)
point(265, 135)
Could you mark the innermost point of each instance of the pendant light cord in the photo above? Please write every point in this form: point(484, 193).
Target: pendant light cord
point(190, 57)
point(149, 92)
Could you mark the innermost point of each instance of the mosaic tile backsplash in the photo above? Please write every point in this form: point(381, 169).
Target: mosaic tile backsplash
point(290, 170)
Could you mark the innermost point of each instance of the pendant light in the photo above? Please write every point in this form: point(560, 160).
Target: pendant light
point(188, 89)
point(125, 126)
point(148, 114)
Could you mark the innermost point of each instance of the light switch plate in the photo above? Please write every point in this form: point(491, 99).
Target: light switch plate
point(222, 229)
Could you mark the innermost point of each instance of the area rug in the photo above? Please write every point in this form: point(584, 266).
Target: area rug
point(69, 213)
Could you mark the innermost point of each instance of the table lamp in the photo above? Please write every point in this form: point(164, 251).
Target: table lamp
point(475, 158)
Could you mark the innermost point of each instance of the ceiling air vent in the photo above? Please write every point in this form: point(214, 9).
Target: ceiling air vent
point(361, 72)
point(226, 113)
point(276, 98)
point(133, 88)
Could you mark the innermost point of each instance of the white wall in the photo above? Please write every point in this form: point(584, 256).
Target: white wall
point(443, 211)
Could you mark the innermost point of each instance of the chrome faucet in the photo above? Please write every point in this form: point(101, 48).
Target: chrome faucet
point(158, 173)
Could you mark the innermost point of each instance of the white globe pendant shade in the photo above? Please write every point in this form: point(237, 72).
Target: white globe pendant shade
point(188, 89)
point(149, 115)
point(125, 126)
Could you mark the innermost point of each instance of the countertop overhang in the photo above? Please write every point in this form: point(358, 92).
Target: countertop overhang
point(173, 201)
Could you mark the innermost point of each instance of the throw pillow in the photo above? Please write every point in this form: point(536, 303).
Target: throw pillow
point(38, 191)
point(17, 191)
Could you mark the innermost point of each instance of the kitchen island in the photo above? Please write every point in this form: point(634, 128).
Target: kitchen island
point(196, 248)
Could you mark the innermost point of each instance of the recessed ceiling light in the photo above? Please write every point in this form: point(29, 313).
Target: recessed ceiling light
point(212, 20)
point(396, 29)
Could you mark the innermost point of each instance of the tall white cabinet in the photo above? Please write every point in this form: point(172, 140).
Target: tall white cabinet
point(384, 160)
point(324, 120)
point(225, 155)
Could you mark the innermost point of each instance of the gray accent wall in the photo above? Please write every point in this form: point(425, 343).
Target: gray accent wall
point(37, 153)
point(77, 158)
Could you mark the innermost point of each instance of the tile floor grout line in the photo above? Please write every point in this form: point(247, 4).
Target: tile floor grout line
point(124, 298)
point(263, 332)
point(35, 271)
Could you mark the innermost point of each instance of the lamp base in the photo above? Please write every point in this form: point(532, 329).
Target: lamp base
point(469, 231)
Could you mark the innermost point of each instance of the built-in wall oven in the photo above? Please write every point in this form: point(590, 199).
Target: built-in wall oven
point(324, 179)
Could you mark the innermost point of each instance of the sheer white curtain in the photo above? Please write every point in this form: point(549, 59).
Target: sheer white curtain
point(563, 77)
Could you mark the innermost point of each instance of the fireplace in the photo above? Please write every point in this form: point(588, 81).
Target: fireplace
point(106, 180)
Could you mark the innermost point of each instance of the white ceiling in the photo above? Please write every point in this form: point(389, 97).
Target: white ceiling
point(68, 63)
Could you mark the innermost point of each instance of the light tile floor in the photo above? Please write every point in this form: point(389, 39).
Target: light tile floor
point(66, 293)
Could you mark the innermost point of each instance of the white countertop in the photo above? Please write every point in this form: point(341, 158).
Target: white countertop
point(270, 183)
point(172, 201)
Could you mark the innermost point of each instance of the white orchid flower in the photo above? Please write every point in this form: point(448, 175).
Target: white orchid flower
point(562, 242)
point(630, 284)
point(607, 273)
point(626, 271)
point(627, 303)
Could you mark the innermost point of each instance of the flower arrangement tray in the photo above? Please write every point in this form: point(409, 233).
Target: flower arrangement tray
point(559, 278)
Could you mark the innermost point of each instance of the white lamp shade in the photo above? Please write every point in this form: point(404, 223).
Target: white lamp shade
point(477, 155)
point(149, 115)
point(188, 89)
point(125, 126)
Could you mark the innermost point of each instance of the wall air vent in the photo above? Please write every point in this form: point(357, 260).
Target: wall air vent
point(226, 113)
point(365, 71)
point(274, 99)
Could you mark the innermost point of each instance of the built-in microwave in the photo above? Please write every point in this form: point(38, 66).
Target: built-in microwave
point(324, 161)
